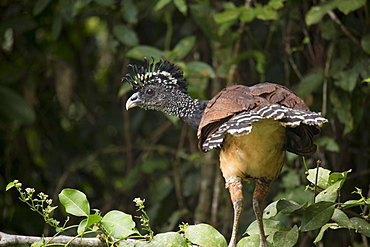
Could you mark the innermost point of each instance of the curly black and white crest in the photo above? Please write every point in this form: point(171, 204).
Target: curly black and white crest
point(153, 73)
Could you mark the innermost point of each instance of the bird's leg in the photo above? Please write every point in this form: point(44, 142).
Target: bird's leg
point(234, 184)
point(259, 194)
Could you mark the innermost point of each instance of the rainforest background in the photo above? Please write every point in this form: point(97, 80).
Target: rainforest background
point(63, 122)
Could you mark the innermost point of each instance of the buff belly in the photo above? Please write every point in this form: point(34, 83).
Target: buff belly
point(257, 155)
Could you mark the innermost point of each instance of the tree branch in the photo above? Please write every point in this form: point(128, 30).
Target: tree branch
point(333, 16)
point(236, 48)
point(13, 240)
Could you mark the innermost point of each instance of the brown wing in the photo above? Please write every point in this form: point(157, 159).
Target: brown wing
point(299, 139)
point(238, 98)
point(224, 105)
point(277, 94)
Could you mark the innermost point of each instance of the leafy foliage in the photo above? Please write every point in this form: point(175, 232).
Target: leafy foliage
point(62, 124)
point(117, 225)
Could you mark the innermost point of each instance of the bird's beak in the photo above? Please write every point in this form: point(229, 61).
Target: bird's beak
point(133, 101)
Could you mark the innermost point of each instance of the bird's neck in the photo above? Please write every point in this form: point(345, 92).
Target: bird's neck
point(188, 109)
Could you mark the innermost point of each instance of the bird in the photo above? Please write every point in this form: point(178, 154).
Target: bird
point(251, 127)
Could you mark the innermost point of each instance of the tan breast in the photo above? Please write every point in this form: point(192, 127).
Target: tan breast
point(259, 154)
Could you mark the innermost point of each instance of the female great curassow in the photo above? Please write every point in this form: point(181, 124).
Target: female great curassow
point(251, 126)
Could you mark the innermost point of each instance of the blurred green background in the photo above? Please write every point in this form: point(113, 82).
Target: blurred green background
point(63, 122)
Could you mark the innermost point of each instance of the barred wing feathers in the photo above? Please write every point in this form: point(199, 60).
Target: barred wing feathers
point(234, 109)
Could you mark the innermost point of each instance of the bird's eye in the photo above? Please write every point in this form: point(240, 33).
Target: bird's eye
point(149, 91)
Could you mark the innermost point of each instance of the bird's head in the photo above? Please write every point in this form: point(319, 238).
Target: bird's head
point(155, 84)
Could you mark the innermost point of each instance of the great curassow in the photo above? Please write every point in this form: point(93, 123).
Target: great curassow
point(252, 127)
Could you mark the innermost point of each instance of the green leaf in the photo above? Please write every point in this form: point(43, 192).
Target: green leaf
point(82, 226)
point(353, 203)
point(342, 107)
point(250, 241)
point(129, 11)
point(285, 206)
point(198, 73)
point(9, 186)
point(40, 6)
point(141, 51)
point(247, 14)
point(15, 107)
point(181, 6)
point(365, 43)
point(168, 239)
point(363, 67)
point(340, 59)
point(316, 13)
point(75, 202)
point(341, 219)
point(317, 215)
point(265, 13)
point(126, 35)
point(310, 82)
point(361, 225)
point(328, 143)
point(276, 4)
point(183, 47)
point(204, 235)
point(322, 178)
point(347, 79)
point(286, 238)
point(347, 7)
point(200, 69)
point(118, 224)
point(338, 176)
point(270, 226)
point(229, 15)
point(89, 221)
point(160, 4)
point(270, 211)
point(330, 194)
point(330, 30)
point(321, 232)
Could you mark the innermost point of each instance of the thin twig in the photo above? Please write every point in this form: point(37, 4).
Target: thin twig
point(286, 34)
point(318, 162)
point(167, 43)
point(236, 49)
point(177, 172)
point(364, 238)
point(325, 83)
point(333, 16)
point(216, 198)
point(288, 53)
point(294, 66)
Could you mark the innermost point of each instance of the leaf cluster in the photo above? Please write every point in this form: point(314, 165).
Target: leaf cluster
point(326, 212)
point(62, 124)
